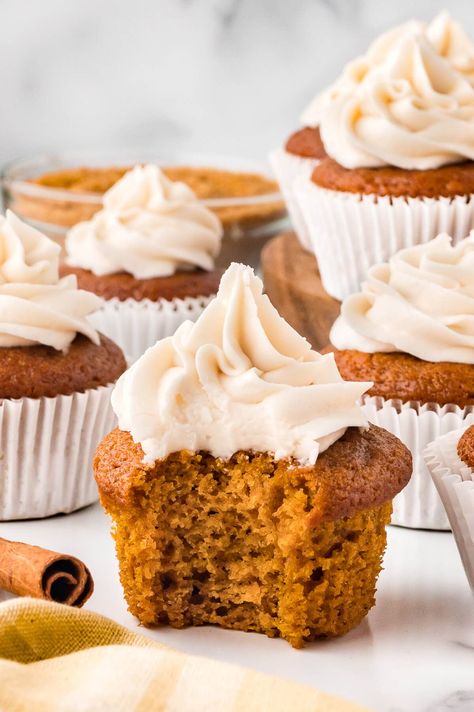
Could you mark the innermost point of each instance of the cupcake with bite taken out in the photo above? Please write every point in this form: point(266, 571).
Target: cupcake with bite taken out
point(246, 488)
point(410, 331)
point(400, 147)
point(56, 376)
point(149, 253)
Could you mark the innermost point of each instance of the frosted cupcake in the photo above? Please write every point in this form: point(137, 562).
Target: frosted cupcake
point(411, 332)
point(400, 146)
point(150, 254)
point(450, 460)
point(245, 487)
point(56, 375)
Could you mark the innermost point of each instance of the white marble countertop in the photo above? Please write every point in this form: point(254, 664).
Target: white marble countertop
point(414, 652)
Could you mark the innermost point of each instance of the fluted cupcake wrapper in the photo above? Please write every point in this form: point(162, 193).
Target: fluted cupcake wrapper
point(350, 232)
point(418, 505)
point(287, 167)
point(454, 481)
point(137, 325)
point(47, 446)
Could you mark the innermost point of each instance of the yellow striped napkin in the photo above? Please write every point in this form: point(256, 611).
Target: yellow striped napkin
point(60, 659)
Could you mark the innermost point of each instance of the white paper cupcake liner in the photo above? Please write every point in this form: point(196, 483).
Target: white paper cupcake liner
point(350, 232)
point(137, 325)
point(455, 483)
point(46, 451)
point(287, 167)
point(418, 505)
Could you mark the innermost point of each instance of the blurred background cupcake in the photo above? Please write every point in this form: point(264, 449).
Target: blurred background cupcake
point(56, 374)
point(411, 332)
point(150, 253)
point(54, 192)
point(398, 130)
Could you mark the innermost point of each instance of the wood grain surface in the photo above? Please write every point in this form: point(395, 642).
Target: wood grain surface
point(293, 284)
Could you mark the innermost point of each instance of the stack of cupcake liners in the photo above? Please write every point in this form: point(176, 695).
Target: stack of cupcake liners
point(350, 232)
point(287, 167)
point(136, 325)
point(454, 481)
point(47, 449)
point(418, 505)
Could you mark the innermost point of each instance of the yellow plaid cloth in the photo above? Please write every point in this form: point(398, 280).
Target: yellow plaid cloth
point(60, 659)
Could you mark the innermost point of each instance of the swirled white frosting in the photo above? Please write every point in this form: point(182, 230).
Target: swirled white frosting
point(414, 111)
point(357, 70)
point(450, 41)
point(420, 303)
point(240, 378)
point(408, 102)
point(36, 307)
point(149, 226)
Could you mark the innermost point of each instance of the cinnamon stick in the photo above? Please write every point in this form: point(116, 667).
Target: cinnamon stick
point(28, 570)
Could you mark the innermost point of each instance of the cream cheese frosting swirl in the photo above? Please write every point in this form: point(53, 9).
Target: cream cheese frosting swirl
point(240, 378)
point(450, 41)
point(149, 226)
point(36, 307)
point(420, 303)
point(357, 70)
point(414, 111)
point(446, 36)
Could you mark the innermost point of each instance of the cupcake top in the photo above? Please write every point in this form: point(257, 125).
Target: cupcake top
point(240, 378)
point(36, 306)
point(420, 303)
point(149, 227)
point(465, 447)
point(409, 102)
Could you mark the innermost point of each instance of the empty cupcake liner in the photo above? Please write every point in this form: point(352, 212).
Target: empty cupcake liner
point(418, 505)
point(455, 483)
point(287, 167)
point(137, 325)
point(350, 232)
point(46, 451)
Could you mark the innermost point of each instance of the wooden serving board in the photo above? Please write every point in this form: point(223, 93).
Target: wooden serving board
point(293, 284)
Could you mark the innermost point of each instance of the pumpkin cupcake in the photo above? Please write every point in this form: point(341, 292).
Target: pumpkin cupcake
point(411, 332)
point(400, 147)
point(450, 460)
point(245, 487)
point(56, 375)
point(149, 253)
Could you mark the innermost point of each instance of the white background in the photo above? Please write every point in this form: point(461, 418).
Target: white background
point(227, 76)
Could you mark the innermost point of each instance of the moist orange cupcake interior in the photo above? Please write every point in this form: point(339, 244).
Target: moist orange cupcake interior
point(250, 543)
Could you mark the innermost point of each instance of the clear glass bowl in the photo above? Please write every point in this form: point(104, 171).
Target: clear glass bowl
point(53, 192)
